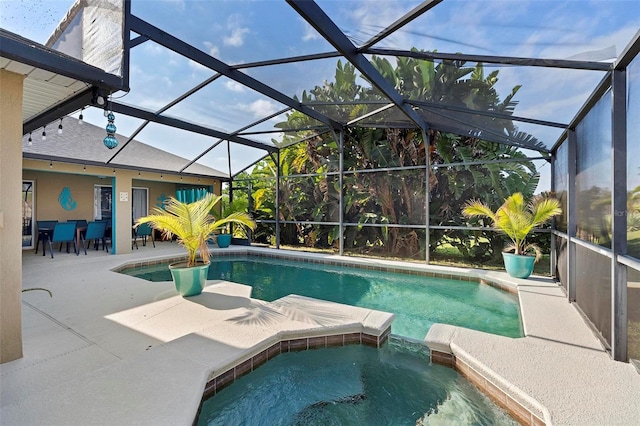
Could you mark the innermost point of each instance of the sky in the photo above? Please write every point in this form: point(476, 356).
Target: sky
point(238, 31)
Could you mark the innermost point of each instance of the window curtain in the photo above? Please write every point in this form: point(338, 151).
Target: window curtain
point(139, 203)
point(189, 195)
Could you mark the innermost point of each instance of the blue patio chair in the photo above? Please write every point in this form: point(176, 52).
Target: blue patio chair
point(96, 232)
point(107, 232)
point(81, 228)
point(63, 232)
point(145, 230)
point(45, 227)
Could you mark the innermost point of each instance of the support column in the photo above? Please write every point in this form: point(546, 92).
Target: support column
point(122, 221)
point(552, 189)
point(278, 199)
point(619, 215)
point(249, 209)
point(427, 195)
point(572, 218)
point(11, 87)
point(341, 184)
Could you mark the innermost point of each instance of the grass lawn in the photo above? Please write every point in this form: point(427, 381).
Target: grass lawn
point(633, 244)
point(445, 255)
point(448, 255)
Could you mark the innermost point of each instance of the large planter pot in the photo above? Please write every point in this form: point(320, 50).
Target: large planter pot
point(190, 280)
point(223, 240)
point(518, 266)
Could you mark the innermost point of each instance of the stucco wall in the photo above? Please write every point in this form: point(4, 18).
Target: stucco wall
point(50, 199)
point(10, 216)
point(48, 191)
point(158, 191)
point(49, 186)
point(64, 191)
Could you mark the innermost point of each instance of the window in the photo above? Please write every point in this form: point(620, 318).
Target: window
point(27, 214)
point(140, 203)
point(102, 202)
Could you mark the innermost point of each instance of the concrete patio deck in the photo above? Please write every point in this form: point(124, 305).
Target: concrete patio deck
point(112, 349)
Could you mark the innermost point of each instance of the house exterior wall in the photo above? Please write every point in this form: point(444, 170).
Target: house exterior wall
point(158, 191)
point(11, 87)
point(51, 197)
point(64, 191)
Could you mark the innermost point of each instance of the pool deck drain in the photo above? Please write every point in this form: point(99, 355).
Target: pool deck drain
point(112, 349)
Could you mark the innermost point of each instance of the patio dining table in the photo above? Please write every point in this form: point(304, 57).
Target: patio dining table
point(47, 232)
point(79, 231)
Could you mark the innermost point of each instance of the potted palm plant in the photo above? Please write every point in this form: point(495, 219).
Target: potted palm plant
point(238, 234)
point(516, 219)
point(192, 224)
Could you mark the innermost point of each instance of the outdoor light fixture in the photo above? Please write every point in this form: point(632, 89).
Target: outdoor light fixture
point(80, 119)
point(30, 140)
point(114, 171)
point(84, 168)
point(44, 133)
point(60, 127)
point(138, 174)
point(50, 164)
point(161, 176)
point(99, 99)
point(110, 141)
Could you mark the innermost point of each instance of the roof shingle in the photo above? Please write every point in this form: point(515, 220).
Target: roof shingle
point(83, 142)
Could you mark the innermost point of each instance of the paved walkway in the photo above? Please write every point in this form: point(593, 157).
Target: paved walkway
point(559, 370)
point(111, 349)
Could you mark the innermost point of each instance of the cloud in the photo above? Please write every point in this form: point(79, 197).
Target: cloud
point(237, 31)
point(309, 32)
point(362, 17)
point(236, 38)
point(212, 49)
point(234, 86)
point(259, 108)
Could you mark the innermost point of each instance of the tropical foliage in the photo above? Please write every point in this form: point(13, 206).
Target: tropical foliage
point(385, 184)
point(516, 218)
point(193, 224)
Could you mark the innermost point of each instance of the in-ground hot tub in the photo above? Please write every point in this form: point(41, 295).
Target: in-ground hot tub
point(352, 385)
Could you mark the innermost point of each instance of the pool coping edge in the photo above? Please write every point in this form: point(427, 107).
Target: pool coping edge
point(481, 276)
point(520, 405)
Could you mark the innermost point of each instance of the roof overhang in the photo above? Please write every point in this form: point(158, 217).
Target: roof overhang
point(55, 84)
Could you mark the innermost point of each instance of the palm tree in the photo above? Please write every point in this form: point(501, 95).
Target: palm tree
point(193, 224)
point(517, 219)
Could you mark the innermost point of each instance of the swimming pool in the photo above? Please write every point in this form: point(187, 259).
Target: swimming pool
point(395, 385)
point(417, 301)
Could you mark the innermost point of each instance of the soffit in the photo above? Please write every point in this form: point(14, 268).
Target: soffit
point(42, 89)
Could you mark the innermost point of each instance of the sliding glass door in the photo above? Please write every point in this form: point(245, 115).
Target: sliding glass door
point(27, 214)
point(139, 203)
point(102, 202)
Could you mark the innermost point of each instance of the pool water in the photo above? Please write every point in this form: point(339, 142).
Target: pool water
point(417, 301)
point(352, 385)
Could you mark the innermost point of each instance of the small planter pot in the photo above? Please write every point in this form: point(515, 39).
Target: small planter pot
point(223, 240)
point(518, 266)
point(189, 281)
